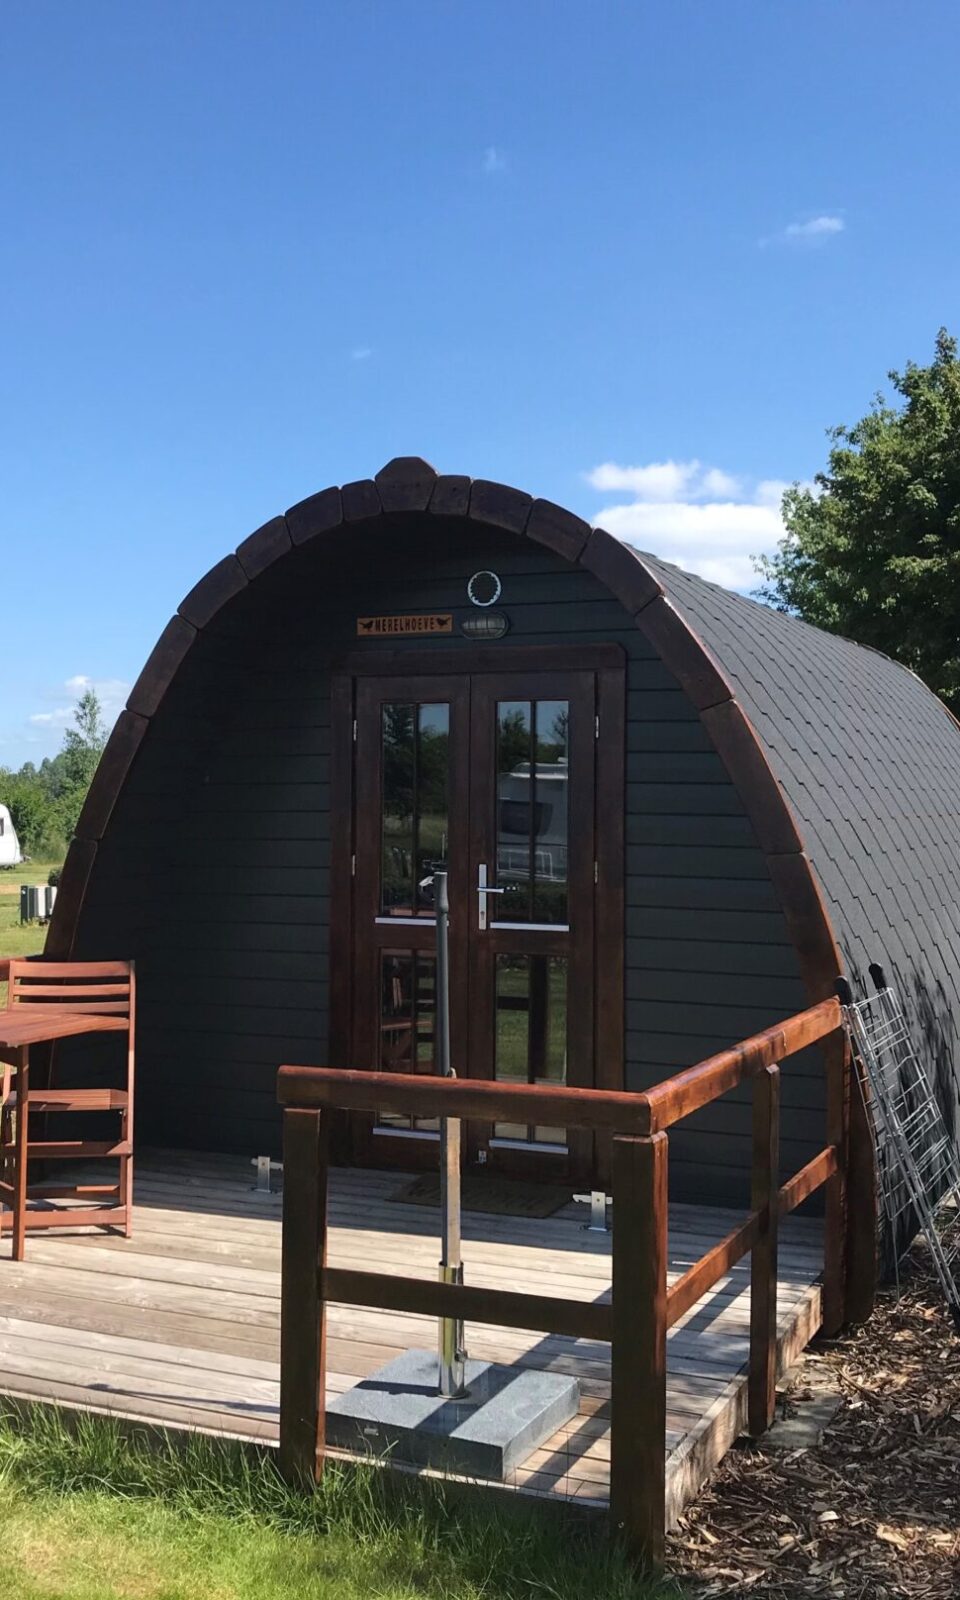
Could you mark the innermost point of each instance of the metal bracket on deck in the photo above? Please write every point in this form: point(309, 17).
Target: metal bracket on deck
point(265, 1169)
point(598, 1201)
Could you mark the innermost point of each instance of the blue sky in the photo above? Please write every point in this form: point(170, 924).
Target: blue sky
point(635, 257)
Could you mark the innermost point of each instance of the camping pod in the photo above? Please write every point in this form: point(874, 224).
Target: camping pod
point(669, 817)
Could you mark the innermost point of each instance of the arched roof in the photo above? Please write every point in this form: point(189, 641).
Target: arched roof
point(408, 485)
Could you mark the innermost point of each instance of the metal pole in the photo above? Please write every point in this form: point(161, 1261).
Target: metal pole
point(451, 1351)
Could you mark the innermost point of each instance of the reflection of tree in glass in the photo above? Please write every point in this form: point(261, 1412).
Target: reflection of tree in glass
point(432, 778)
point(552, 746)
point(561, 724)
point(398, 770)
point(514, 737)
point(433, 765)
point(398, 759)
point(415, 805)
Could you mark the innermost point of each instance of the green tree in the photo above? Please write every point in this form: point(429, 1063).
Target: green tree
point(873, 550)
point(45, 802)
point(29, 806)
point(83, 744)
point(77, 762)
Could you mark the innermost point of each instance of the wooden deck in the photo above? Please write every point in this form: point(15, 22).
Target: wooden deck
point(180, 1325)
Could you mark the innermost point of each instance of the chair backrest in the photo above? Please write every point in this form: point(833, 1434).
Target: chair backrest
point(94, 986)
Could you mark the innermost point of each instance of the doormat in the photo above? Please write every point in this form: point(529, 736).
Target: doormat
point(497, 1197)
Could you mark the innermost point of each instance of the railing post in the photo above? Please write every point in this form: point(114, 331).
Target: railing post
point(638, 1400)
point(303, 1322)
point(762, 1383)
point(838, 1060)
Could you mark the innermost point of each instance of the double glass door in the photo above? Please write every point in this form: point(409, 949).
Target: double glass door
point(490, 778)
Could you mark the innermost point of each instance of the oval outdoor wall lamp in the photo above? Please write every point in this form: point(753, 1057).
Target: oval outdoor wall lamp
point(492, 625)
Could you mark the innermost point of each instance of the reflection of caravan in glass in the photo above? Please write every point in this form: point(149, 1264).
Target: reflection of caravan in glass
point(549, 822)
point(9, 843)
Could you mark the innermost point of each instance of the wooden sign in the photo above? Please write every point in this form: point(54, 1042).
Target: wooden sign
point(382, 627)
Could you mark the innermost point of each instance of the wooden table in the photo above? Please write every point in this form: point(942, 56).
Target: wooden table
point(21, 1026)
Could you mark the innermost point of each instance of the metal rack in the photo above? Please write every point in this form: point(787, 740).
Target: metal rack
point(917, 1168)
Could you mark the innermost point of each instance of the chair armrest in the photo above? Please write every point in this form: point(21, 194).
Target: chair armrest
point(5, 965)
point(6, 960)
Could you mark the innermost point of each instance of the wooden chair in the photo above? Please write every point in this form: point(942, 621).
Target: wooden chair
point(100, 987)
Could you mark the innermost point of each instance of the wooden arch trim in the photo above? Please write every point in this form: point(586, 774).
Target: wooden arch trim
point(410, 485)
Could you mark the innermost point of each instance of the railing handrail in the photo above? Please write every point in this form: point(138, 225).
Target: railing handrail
point(411, 1093)
point(678, 1097)
point(618, 1111)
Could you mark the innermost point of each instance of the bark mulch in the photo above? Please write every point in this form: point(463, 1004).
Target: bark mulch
point(874, 1509)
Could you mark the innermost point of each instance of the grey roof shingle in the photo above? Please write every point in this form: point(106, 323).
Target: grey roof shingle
point(869, 761)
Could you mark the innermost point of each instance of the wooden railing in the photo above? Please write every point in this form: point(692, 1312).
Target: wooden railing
point(641, 1308)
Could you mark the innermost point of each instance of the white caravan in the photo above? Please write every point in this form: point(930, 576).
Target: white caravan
point(9, 843)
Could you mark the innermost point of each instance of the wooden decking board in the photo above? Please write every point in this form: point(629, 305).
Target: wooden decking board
point(254, 1224)
point(180, 1325)
point(162, 1238)
point(240, 1200)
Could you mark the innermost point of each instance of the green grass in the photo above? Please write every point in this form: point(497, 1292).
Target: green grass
point(14, 940)
point(90, 1515)
point(27, 872)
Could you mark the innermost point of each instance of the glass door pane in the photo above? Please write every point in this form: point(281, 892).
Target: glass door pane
point(414, 805)
point(532, 810)
point(530, 1042)
point(407, 1010)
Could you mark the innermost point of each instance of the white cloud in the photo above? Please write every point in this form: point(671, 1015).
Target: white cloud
point(811, 232)
point(61, 718)
point(815, 228)
point(661, 480)
point(716, 484)
point(494, 160)
point(770, 491)
point(665, 480)
point(701, 518)
point(361, 352)
point(111, 692)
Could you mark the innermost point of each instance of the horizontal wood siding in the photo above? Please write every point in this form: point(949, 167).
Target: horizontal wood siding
point(215, 870)
point(708, 955)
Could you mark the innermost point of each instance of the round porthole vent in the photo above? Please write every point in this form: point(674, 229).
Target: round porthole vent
point(484, 589)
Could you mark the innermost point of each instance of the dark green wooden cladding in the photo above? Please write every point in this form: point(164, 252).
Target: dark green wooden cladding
point(214, 873)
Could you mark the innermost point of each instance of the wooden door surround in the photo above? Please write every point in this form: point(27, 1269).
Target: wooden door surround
point(472, 682)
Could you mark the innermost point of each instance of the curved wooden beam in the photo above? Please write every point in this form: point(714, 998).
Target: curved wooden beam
point(408, 486)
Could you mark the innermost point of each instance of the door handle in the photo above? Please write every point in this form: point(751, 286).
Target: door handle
point(483, 889)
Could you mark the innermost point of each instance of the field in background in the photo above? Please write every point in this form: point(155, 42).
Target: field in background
point(27, 872)
point(14, 940)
